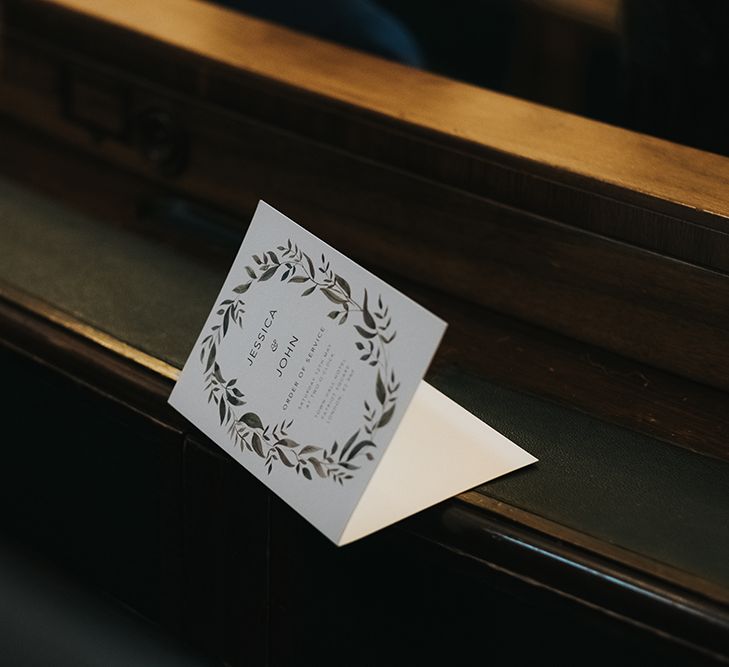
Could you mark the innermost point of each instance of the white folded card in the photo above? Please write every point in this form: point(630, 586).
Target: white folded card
point(308, 372)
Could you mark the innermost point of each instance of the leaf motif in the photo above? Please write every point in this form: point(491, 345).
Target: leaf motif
point(310, 264)
point(343, 318)
point(359, 447)
point(268, 273)
point(333, 296)
point(240, 289)
point(273, 257)
point(235, 401)
point(363, 332)
point(226, 322)
point(287, 442)
point(211, 358)
point(251, 419)
point(343, 284)
point(308, 449)
point(306, 473)
point(368, 319)
point(386, 417)
point(380, 389)
point(257, 445)
point(333, 314)
point(320, 469)
point(251, 272)
point(347, 445)
point(222, 409)
point(298, 279)
point(306, 292)
point(284, 459)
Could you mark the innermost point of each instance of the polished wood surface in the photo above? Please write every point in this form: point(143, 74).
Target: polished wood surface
point(576, 262)
point(527, 358)
point(625, 159)
point(655, 309)
point(631, 267)
point(223, 522)
point(616, 183)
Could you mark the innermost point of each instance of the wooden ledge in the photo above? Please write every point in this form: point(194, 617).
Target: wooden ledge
point(690, 178)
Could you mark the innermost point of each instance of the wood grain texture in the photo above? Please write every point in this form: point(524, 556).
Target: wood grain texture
point(623, 185)
point(629, 559)
point(541, 557)
point(662, 610)
point(654, 309)
point(93, 483)
point(89, 357)
point(505, 350)
point(226, 577)
point(223, 544)
point(392, 187)
point(470, 202)
point(562, 141)
point(434, 608)
point(521, 249)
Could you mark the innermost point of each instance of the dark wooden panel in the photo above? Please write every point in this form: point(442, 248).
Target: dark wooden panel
point(225, 528)
point(210, 571)
point(226, 556)
point(206, 519)
point(372, 602)
point(472, 203)
point(55, 339)
point(657, 310)
point(601, 383)
point(91, 485)
point(627, 186)
point(527, 358)
point(624, 298)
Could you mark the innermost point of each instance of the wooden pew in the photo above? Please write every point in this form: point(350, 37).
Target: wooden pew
point(582, 269)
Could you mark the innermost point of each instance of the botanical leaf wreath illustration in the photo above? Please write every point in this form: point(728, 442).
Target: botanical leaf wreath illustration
point(272, 443)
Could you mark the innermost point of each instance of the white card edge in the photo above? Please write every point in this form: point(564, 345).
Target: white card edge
point(526, 459)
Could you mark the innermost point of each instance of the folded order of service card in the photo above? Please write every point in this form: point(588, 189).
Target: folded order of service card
point(309, 372)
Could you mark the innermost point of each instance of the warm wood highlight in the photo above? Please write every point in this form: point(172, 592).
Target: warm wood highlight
point(558, 140)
